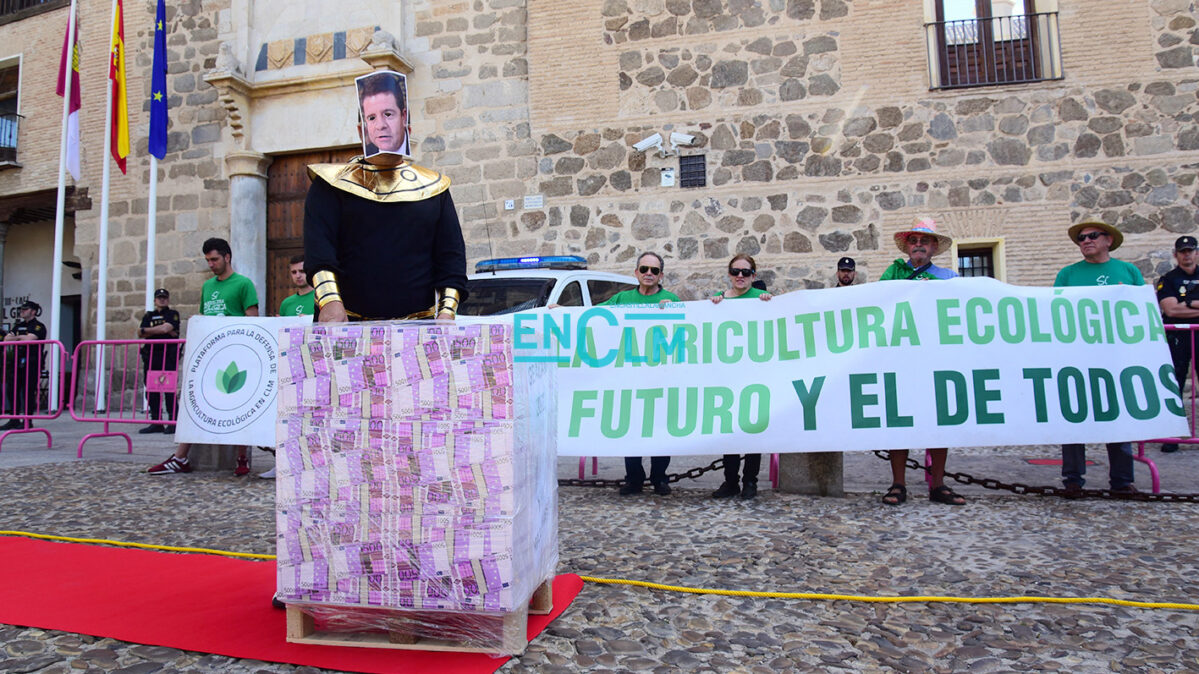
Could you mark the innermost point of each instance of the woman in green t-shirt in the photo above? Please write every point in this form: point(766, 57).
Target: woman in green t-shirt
point(742, 272)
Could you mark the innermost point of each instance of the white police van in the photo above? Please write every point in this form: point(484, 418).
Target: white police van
point(512, 284)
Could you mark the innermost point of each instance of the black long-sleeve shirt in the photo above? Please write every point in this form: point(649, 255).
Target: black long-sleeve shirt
point(389, 258)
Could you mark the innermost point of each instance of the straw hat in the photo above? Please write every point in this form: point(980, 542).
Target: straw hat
point(923, 225)
point(1117, 235)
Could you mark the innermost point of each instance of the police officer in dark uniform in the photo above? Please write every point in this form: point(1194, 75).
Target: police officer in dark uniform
point(1178, 295)
point(162, 322)
point(23, 364)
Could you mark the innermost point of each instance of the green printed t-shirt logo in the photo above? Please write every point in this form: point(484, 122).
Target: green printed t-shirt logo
point(230, 379)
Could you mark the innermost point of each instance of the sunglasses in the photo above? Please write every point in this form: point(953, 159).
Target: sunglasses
point(741, 272)
point(649, 270)
point(1090, 236)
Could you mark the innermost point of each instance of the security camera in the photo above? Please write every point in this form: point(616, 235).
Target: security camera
point(649, 143)
point(677, 138)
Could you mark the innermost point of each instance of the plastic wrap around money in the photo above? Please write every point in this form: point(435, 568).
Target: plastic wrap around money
point(415, 472)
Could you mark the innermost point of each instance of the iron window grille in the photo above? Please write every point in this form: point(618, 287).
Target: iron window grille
point(693, 171)
point(992, 50)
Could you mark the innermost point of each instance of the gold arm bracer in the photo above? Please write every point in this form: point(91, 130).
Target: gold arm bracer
point(325, 283)
point(448, 301)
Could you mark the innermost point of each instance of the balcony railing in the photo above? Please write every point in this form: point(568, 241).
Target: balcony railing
point(15, 10)
point(994, 50)
point(9, 126)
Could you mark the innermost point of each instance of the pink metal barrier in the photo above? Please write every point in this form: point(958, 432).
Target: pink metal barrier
point(111, 378)
point(25, 386)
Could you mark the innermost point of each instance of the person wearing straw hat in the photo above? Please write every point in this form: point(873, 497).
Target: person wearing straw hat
point(1177, 291)
point(1096, 240)
point(921, 243)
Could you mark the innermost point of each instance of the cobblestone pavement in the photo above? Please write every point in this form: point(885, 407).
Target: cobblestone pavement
point(994, 546)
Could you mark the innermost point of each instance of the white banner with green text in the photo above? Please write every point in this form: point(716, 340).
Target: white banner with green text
point(894, 365)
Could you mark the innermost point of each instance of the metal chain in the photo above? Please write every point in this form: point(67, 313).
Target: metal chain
point(673, 477)
point(1019, 488)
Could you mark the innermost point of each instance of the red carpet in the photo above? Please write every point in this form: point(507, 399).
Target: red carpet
point(193, 602)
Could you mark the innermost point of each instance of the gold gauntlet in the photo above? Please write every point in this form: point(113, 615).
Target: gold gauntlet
point(326, 288)
point(449, 301)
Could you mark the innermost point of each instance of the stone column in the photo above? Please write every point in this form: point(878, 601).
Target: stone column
point(247, 217)
point(815, 473)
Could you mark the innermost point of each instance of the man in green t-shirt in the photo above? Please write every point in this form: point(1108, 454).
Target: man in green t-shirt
point(648, 291)
point(301, 303)
point(1095, 241)
point(227, 293)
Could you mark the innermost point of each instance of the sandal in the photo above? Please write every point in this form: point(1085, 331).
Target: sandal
point(946, 495)
point(896, 494)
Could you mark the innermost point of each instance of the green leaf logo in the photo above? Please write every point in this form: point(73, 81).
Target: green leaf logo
point(231, 379)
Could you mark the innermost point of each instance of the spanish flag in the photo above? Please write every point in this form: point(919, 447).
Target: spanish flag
point(116, 73)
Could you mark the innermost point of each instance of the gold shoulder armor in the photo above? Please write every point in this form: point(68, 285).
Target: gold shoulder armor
point(387, 184)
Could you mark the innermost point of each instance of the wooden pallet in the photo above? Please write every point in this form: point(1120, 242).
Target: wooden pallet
point(509, 631)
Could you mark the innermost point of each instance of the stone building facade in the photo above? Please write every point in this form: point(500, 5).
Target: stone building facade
point(816, 121)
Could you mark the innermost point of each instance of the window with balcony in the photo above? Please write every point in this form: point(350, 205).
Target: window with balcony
point(10, 79)
point(973, 43)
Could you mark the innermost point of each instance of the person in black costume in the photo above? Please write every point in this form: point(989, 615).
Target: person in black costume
point(382, 240)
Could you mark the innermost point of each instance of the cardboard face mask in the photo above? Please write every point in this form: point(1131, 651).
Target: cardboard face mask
point(383, 115)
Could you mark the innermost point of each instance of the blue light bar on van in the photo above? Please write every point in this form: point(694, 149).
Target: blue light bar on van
point(532, 262)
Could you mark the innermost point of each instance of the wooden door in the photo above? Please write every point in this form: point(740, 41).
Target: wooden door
point(286, 186)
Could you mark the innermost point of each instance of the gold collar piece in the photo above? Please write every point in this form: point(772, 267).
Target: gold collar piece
point(386, 184)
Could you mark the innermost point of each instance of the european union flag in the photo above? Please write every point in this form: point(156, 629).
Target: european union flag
point(158, 85)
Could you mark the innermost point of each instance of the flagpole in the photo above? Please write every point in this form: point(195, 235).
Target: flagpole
point(60, 213)
point(106, 181)
point(151, 233)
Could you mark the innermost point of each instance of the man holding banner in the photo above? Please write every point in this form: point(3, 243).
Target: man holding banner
point(649, 290)
point(227, 293)
point(1095, 241)
point(921, 243)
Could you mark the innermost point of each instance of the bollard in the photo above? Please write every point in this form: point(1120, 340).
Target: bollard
point(814, 473)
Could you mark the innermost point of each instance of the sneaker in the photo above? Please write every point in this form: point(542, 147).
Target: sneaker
point(628, 489)
point(727, 490)
point(662, 489)
point(12, 425)
point(243, 467)
point(1169, 448)
point(1071, 491)
point(268, 475)
point(171, 465)
point(152, 428)
point(1126, 490)
point(749, 491)
point(169, 430)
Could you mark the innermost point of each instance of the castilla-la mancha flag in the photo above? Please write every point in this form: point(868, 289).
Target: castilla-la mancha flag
point(116, 73)
point(70, 64)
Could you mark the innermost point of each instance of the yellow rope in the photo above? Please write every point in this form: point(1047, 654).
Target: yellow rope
point(691, 590)
point(143, 546)
point(896, 600)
